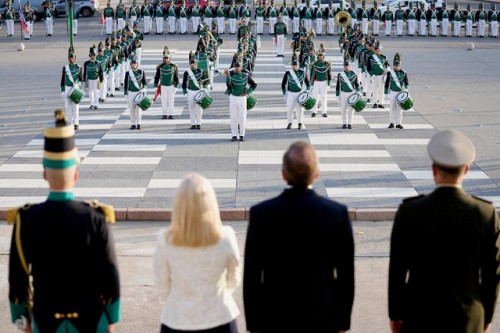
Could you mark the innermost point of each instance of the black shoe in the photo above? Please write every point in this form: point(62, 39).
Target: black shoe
point(289, 126)
point(324, 115)
point(170, 117)
point(375, 105)
point(112, 95)
point(344, 126)
point(138, 127)
point(216, 71)
point(164, 117)
point(198, 127)
point(399, 126)
point(300, 126)
point(380, 106)
point(349, 126)
point(75, 127)
point(96, 107)
point(100, 100)
point(193, 127)
point(121, 84)
point(364, 94)
point(313, 115)
point(242, 138)
point(234, 138)
point(91, 107)
point(117, 89)
point(368, 100)
point(391, 125)
point(132, 127)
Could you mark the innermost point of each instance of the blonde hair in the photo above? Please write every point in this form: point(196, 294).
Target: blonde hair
point(195, 215)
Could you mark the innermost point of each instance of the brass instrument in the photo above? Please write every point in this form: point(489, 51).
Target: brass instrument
point(343, 18)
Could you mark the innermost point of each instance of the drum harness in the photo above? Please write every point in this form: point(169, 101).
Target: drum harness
point(395, 79)
point(69, 74)
point(193, 78)
point(295, 78)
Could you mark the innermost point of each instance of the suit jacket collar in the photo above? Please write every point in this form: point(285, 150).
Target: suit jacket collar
point(298, 191)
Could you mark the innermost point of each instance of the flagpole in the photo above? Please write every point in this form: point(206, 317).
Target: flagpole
point(20, 23)
point(70, 22)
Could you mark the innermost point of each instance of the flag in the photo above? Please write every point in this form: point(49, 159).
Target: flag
point(158, 93)
point(22, 20)
point(101, 20)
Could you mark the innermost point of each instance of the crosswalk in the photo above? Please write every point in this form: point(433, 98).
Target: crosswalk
point(367, 167)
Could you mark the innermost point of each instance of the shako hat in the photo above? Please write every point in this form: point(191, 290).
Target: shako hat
point(71, 52)
point(59, 149)
point(397, 59)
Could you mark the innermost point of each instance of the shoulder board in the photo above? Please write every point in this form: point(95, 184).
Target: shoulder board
point(158, 66)
point(413, 198)
point(482, 199)
point(107, 210)
point(14, 212)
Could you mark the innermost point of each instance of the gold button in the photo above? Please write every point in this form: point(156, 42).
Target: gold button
point(75, 315)
point(59, 316)
point(69, 315)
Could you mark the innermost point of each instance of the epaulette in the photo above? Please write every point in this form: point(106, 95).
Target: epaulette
point(413, 198)
point(482, 199)
point(107, 210)
point(13, 212)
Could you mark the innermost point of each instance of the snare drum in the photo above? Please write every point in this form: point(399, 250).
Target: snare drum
point(251, 101)
point(143, 101)
point(203, 99)
point(306, 100)
point(405, 101)
point(75, 94)
point(357, 102)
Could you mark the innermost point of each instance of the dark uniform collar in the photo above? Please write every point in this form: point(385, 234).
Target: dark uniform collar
point(60, 196)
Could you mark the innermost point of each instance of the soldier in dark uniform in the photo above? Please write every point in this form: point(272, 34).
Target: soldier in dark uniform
point(445, 250)
point(66, 249)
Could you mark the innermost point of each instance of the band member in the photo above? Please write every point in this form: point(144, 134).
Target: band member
point(193, 81)
point(105, 65)
point(377, 66)
point(232, 16)
point(159, 18)
point(260, 12)
point(347, 84)
point(481, 21)
point(296, 18)
point(244, 10)
point(445, 20)
point(237, 82)
point(167, 80)
point(242, 30)
point(308, 15)
point(396, 82)
point(400, 17)
point(209, 13)
point(171, 16)
point(108, 18)
point(365, 17)
point(112, 59)
point(65, 249)
point(147, 12)
point(92, 76)
point(469, 19)
point(292, 85)
point(28, 17)
point(134, 12)
point(493, 20)
point(354, 14)
point(137, 42)
point(330, 19)
point(72, 76)
point(120, 15)
point(49, 19)
point(272, 16)
point(388, 19)
point(456, 20)
point(135, 82)
point(412, 22)
point(321, 78)
point(195, 14)
point(432, 20)
point(221, 16)
point(280, 33)
point(285, 14)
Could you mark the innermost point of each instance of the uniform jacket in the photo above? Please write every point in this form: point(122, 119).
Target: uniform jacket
point(295, 243)
point(448, 244)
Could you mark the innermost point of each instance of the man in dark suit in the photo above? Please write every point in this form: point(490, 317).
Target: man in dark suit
point(444, 267)
point(299, 256)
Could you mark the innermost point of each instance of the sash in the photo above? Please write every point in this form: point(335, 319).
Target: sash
point(378, 61)
point(295, 78)
point(346, 80)
point(69, 75)
point(193, 78)
point(395, 79)
point(133, 78)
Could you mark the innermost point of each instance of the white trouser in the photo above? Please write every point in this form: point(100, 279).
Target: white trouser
point(195, 21)
point(376, 27)
point(377, 88)
point(296, 24)
point(346, 111)
point(399, 27)
point(26, 34)
point(238, 114)
point(319, 26)
point(208, 22)
point(286, 20)
point(93, 88)
point(148, 23)
point(354, 21)
point(319, 92)
point(10, 27)
point(493, 28)
point(167, 100)
point(272, 22)
point(109, 25)
point(456, 27)
point(159, 25)
point(30, 26)
point(72, 109)
point(117, 76)
point(444, 27)
point(216, 65)
point(171, 24)
point(292, 105)
point(104, 86)
point(232, 25)
point(395, 111)
point(433, 25)
point(120, 23)
point(111, 81)
point(183, 24)
point(308, 24)
point(132, 21)
point(422, 27)
point(260, 25)
point(49, 22)
point(138, 53)
point(75, 27)
point(123, 70)
point(412, 27)
point(388, 27)
point(362, 80)
point(280, 44)
point(369, 86)
point(195, 111)
point(364, 26)
point(135, 111)
point(331, 26)
point(221, 24)
point(468, 28)
point(481, 27)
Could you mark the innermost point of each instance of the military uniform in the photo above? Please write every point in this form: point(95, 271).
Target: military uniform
point(134, 13)
point(396, 82)
point(221, 17)
point(432, 20)
point(330, 19)
point(412, 23)
point(209, 13)
point(108, 18)
point(93, 76)
point(456, 21)
point(135, 82)
point(49, 20)
point(469, 19)
point(321, 79)
point(292, 84)
point(365, 17)
point(388, 19)
point(377, 66)
point(422, 21)
point(72, 76)
point(167, 78)
point(195, 14)
point(347, 84)
point(232, 16)
point(296, 18)
point(9, 19)
point(493, 18)
point(445, 20)
point(120, 15)
point(105, 63)
point(280, 33)
point(158, 15)
point(259, 17)
point(272, 16)
point(66, 249)
point(308, 15)
point(285, 14)
point(147, 13)
point(481, 21)
point(28, 16)
point(193, 81)
point(399, 17)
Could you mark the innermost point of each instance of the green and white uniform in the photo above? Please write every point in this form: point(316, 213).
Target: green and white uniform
point(396, 82)
point(192, 82)
point(292, 86)
point(347, 84)
point(238, 84)
point(321, 78)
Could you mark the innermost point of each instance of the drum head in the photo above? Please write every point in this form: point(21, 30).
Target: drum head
point(402, 96)
point(353, 99)
point(139, 97)
point(302, 97)
point(199, 95)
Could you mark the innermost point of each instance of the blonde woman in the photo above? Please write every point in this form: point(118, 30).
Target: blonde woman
point(197, 264)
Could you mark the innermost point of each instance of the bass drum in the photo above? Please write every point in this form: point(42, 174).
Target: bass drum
point(203, 99)
point(404, 100)
point(251, 101)
point(357, 102)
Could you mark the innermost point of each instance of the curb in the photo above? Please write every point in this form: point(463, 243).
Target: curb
point(231, 214)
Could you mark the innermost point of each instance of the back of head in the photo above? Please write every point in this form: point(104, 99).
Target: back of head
point(300, 164)
point(195, 216)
